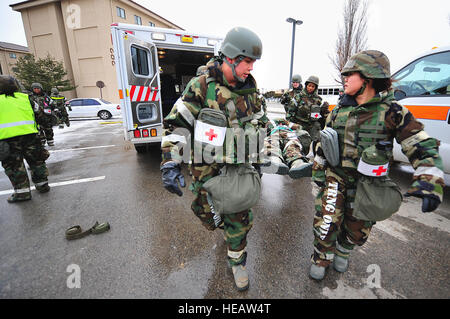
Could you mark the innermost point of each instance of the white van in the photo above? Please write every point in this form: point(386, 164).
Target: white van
point(154, 65)
point(423, 86)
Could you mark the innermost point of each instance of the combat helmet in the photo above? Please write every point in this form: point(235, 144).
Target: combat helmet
point(372, 64)
point(296, 78)
point(313, 79)
point(202, 69)
point(55, 91)
point(239, 43)
point(36, 85)
point(8, 85)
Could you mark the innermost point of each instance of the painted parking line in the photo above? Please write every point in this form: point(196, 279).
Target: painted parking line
point(75, 181)
point(111, 122)
point(81, 148)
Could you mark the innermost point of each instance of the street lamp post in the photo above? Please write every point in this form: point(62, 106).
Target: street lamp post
point(294, 22)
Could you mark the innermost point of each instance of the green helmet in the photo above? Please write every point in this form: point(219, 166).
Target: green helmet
point(371, 64)
point(55, 91)
point(8, 85)
point(241, 41)
point(36, 85)
point(202, 69)
point(313, 79)
point(296, 78)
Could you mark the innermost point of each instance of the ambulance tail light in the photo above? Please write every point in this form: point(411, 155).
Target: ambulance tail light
point(153, 132)
point(145, 133)
point(159, 36)
point(137, 133)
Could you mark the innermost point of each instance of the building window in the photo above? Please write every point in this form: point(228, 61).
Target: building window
point(121, 12)
point(137, 20)
point(12, 56)
point(151, 24)
point(1, 70)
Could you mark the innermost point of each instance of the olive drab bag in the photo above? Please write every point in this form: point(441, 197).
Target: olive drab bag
point(237, 188)
point(377, 196)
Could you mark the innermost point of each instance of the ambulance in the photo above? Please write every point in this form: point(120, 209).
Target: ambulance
point(423, 86)
point(153, 66)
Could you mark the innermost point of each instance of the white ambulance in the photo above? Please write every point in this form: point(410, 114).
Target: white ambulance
point(153, 66)
point(423, 86)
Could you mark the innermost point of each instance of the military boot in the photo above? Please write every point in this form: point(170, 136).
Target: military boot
point(300, 168)
point(43, 188)
point(275, 166)
point(340, 264)
point(317, 272)
point(240, 277)
point(19, 197)
point(51, 143)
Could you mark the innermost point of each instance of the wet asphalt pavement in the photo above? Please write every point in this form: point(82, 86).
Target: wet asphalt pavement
point(157, 248)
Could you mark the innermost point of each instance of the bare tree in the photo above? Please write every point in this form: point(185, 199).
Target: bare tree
point(352, 37)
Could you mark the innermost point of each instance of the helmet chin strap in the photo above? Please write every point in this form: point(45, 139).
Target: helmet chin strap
point(362, 89)
point(233, 68)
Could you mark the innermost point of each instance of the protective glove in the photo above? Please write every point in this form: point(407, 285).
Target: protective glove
point(429, 202)
point(171, 175)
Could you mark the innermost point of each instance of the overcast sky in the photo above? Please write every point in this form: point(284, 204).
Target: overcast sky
point(402, 29)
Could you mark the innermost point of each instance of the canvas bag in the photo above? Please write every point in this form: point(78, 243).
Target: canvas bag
point(237, 188)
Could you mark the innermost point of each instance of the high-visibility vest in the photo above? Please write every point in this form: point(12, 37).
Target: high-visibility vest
point(16, 116)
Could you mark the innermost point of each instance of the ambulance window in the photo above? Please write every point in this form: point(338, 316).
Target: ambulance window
point(140, 60)
point(429, 75)
point(146, 112)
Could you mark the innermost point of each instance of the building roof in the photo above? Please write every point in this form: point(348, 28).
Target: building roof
point(13, 47)
point(29, 3)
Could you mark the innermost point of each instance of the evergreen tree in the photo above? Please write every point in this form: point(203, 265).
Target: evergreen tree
point(47, 71)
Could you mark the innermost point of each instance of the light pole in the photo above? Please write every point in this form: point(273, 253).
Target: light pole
point(294, 22)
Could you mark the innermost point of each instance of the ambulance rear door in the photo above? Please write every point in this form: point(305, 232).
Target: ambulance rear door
point(140, 88)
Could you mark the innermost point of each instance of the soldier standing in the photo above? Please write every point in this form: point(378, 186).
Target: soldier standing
point(228, 91)
point(19, 140)
point(309, 109)
point(60, 107)
point(287, 98)
point(47, 122)
point(365, 122)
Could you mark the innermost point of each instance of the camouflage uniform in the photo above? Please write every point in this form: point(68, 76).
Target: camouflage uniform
point(26, 146)
point(60, 107)
point(286, 141)
point(47, 121)
point(247, 114)
point(307, 109)
point(336, 230)
point(288, 97)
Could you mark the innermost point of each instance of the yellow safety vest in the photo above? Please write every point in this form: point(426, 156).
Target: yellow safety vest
point(16, 116)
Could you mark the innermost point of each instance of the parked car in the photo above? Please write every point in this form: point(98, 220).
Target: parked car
point(92, 107)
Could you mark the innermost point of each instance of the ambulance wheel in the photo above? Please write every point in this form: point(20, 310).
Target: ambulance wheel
point(104, 115)
point(141, 149)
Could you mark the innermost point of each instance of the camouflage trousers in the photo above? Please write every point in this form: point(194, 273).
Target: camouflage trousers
point(335, 229)
point(236, 226)
point(286, 148)
point(62, 116)
point(28, 147)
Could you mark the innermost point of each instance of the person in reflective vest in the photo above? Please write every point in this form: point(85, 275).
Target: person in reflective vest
point(60, 108)
point(366, 121)
point(19, 139)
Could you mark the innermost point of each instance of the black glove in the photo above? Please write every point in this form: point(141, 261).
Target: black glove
point(171, 175)
point(429, 203)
